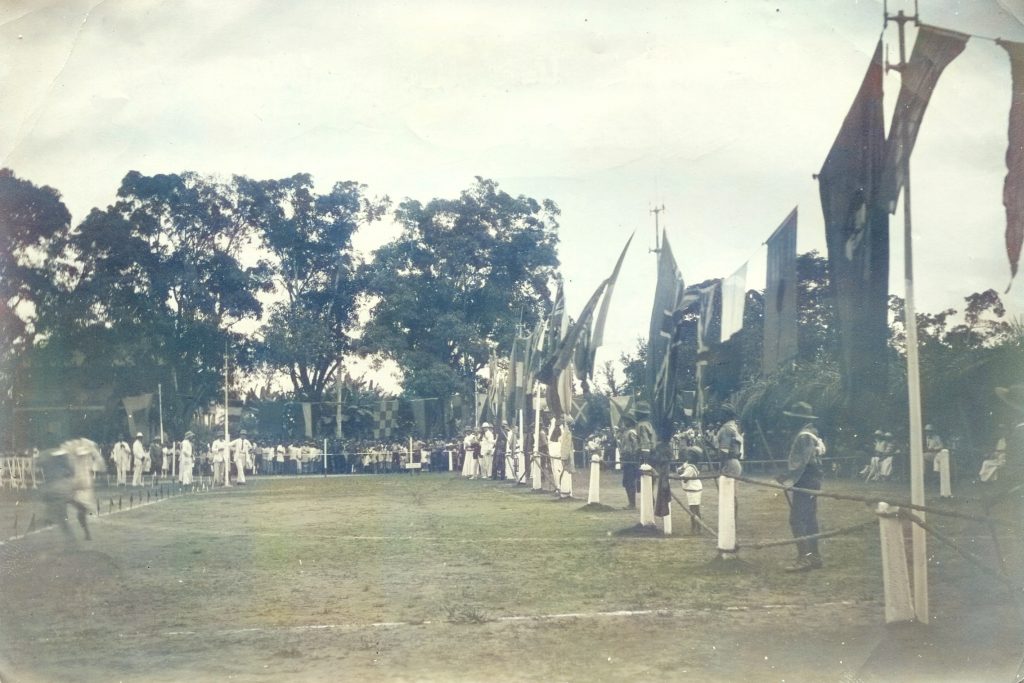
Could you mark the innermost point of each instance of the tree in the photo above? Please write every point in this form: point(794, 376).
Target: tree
point(309, 237)
point(155, 283)
point(452, 289)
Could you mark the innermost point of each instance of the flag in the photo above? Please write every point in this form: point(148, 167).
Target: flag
point(780, 320)
point(660, 368)
point(734, 298)
point(857, 237)
point(597, 336)
point(556, 366)
point(706, 299)
point(386, 419)
point(933, 50)
point(425, 415)
point(137, 408)
point(1013, 186)
point(619, 407)
point(307, 418)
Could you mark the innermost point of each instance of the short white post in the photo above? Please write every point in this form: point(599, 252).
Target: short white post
point(325, 457)
point(618, 459)
point(535, 474)
point(942, 466)
point(899, 602)
point(646, 496)
point(726, 517)
point(594, 494)
point(667, 521)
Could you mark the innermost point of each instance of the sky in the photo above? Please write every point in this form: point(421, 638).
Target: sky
point(720, 111)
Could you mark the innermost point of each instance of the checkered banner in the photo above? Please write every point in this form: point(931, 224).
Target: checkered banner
point(386, 418)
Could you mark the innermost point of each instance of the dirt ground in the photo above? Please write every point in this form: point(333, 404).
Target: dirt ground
point(433, 578)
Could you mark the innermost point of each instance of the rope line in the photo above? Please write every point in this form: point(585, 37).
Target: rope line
point(792, 541)
point(873, 500)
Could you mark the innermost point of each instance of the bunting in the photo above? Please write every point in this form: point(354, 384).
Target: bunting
point(386, 419)
point(780, 321)
point(597, 336)
point(137, 409)
point(1013, 186)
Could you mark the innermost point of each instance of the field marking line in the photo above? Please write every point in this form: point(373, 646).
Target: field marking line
point(557, 616)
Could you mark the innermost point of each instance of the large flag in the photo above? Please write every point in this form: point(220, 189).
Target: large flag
point(427, 417)
point(857, 236)
point(661, 370)
point(137, 408)
point(933, 50)
point(1013, 186)
point(780, 313)
point(386, 419)
point(734, 299)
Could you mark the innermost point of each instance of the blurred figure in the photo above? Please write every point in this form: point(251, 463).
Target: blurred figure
point(69, 474)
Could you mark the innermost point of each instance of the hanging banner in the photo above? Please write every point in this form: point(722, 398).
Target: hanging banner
point(734, 299)
point(780, 313)
point(1013, 186)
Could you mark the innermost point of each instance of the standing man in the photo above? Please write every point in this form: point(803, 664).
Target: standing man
point(140, 458)
point(121, 455)
point(805, 471)
point(729, 442)
point(156, 459)
point(629, 448)
point(242, 448)
point(487, 445)
point(187, 460)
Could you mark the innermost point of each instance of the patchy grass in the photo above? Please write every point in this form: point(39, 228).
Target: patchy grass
point(391, 577)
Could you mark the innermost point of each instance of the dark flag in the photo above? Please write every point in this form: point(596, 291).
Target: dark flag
point(558, 360)
point(1013, 187)
point(933, 50)
point(857, 236)
point(780, 297)
point(597, 337)
point(426, 413)
point(661, 374)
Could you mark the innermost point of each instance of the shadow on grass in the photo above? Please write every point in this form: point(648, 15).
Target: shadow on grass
point(595, 507)
point(640, 531)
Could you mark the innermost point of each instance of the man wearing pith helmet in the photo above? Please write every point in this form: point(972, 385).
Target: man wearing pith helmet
point(805, 471)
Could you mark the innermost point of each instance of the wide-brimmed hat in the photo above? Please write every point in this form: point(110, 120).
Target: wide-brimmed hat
point(879, 432)
point(138, 435)
point(929, 428)
point(485, 425)
point(801, 410)
point(1012, 396)
point(189, 433)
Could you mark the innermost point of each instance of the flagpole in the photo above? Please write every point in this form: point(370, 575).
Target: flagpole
point(337, 409)
point(227, 434)
point(919, 538)
point(160, 403)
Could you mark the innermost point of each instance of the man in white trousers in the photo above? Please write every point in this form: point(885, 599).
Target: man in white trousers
point(241, 448)
point(140, 460)
point(121, 455)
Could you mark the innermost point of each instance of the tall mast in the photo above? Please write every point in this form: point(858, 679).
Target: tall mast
point(919, 539)
point(657, 229)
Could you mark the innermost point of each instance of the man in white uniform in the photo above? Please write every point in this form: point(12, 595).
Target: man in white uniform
point(241, 447)
point(121, 455)
point(487, 443)
point(187, 460)
point(140, 460)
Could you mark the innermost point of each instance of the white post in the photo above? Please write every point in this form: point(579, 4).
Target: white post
point(535, 460)
point(899, 605)
point(451, 460)
point(594, 494)
point(667, 521)
point(618, 459)
point(942, 465)
point(646, 495)
point(521, 450)
point(325, 457)
point(726, 517)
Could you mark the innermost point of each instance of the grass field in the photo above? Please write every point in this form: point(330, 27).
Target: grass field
point(434, 578)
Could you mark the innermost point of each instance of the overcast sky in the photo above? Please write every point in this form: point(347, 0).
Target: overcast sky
point(721, 111)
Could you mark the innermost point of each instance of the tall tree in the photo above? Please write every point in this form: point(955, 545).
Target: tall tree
point(155, 284)
point(32, 218)
point(457, 281)
point(309, 237)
